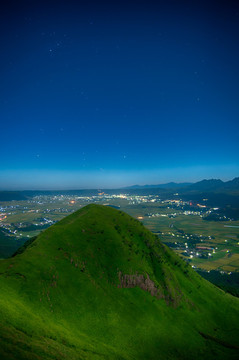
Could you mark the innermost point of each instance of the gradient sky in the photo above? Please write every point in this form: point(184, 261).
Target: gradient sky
point(108, 94)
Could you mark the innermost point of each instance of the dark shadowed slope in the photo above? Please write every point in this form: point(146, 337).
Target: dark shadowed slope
point(98, 285)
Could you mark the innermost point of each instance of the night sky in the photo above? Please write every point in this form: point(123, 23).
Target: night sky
point(109, 94)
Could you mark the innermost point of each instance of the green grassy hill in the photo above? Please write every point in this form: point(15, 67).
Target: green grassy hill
point(99, 285)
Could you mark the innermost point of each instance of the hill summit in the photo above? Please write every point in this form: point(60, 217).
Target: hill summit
point(99, 285)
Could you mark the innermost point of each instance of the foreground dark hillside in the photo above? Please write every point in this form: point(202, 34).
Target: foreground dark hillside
point(98, 285)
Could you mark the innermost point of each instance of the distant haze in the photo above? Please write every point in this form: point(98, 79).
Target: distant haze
point(66, 180)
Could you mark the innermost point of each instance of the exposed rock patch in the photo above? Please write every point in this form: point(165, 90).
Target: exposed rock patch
point(146, 284)
point(171, 296)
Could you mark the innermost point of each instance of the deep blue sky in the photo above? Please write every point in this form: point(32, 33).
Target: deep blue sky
point(97, 94)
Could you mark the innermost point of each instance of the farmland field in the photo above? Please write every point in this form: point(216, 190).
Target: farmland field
point(207, 245)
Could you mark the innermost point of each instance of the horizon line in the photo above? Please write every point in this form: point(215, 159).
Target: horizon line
point(116, 188)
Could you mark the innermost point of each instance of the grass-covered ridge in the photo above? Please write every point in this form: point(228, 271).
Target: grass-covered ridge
point(99, 285)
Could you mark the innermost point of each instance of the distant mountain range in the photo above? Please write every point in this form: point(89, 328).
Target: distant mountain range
point(203, 185)
point(213, 185)
point(170, 185)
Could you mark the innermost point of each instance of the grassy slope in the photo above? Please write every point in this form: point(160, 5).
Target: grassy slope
point(61, 298)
